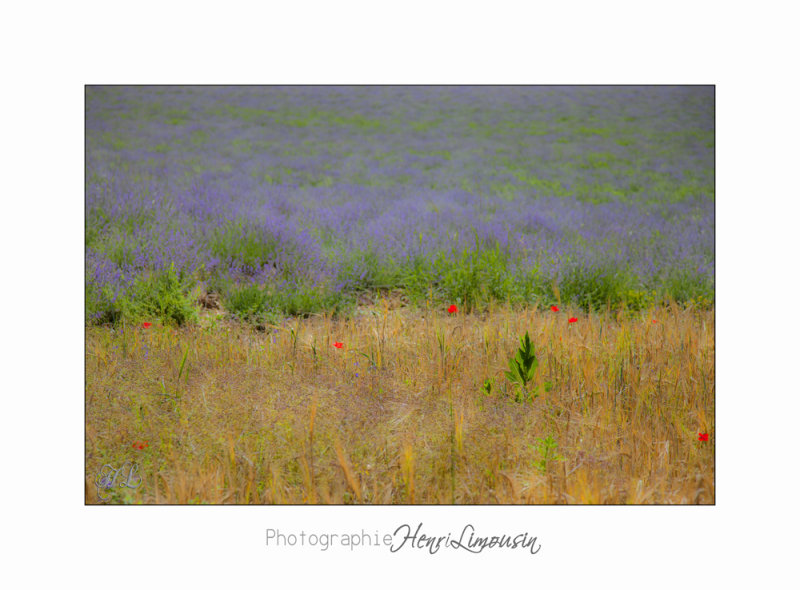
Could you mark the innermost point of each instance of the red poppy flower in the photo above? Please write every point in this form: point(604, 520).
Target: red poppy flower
point(452, 309)
point(572, 320)
point(554, 308)
point(338, 345)
point(703, 437)
point(654, 321)
point(146, 325)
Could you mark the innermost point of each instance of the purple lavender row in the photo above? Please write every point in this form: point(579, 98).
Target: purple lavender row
point(473, 191)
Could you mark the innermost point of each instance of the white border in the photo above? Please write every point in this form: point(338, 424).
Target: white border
point(53, 49)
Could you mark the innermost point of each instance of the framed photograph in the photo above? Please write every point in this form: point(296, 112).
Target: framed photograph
point(388, 295)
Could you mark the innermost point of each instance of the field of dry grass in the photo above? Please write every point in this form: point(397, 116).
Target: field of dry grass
point(398, 415)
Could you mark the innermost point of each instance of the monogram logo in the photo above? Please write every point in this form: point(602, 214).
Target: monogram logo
point(108, 477)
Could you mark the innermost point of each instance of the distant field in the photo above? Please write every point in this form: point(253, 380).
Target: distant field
point(284, 201)
point(399, 414)
point(318, 294)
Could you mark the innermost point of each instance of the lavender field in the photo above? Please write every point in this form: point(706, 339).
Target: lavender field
point(400, 295)
point(270, 202)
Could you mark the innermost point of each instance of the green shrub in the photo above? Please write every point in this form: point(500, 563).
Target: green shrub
point(637, 299)
point(259, 305)
point(592, 288)
point(248, 303)
point(475, 276)
point(162, 295)
point(686, 286)
point(101, 306)
point(461, 282)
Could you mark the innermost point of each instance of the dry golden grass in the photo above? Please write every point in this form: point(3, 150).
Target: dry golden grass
point(285, 417)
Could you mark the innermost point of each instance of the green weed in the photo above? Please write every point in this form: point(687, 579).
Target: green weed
point(547, 449)
point(521, 370)
point(160, 295)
